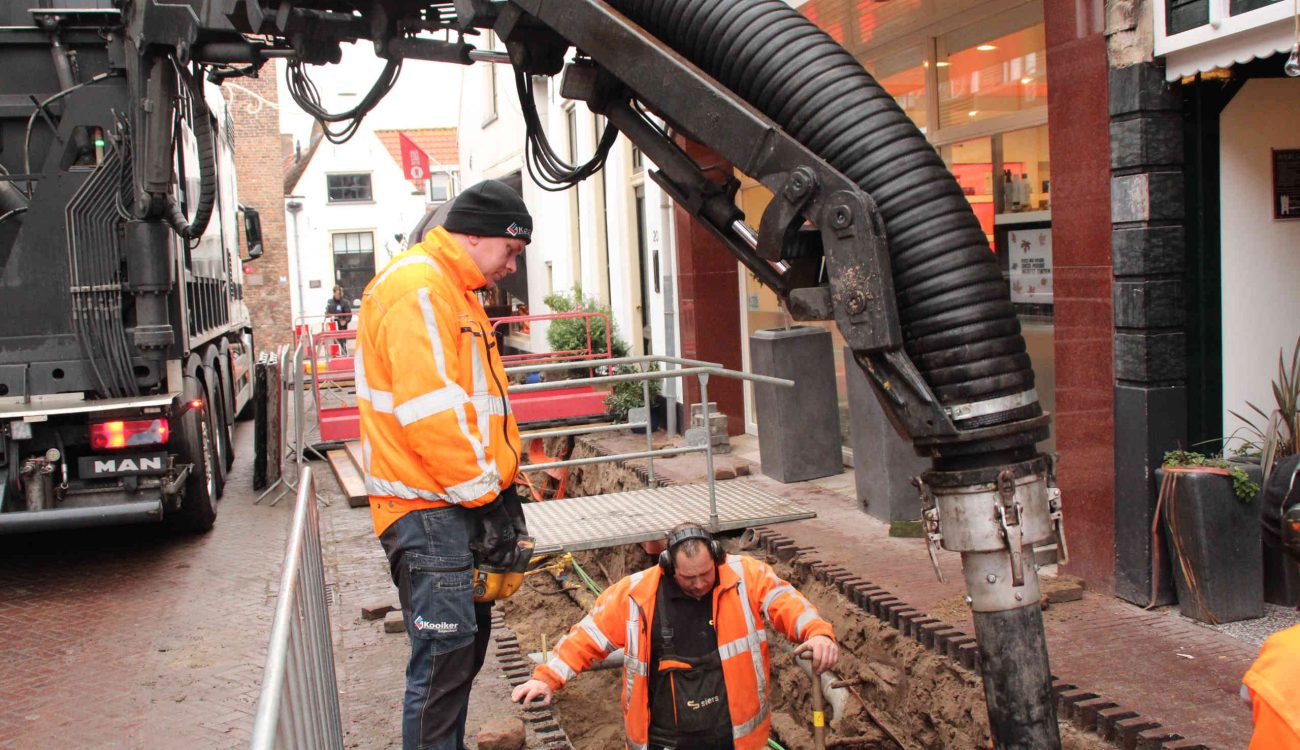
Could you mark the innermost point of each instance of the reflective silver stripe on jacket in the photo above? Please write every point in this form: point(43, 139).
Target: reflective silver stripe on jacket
point(756, 653)
point(589, 627)
point(440, 358)
point(481, 394)
point(394, 488)
point(742, 645)
point(771, 598)
point(488, 481)
point(631, 652)
point(412, 260)
point(563, 670)
point(488, 403)
point(429, 404)
point(380, 401)
point(808, 616)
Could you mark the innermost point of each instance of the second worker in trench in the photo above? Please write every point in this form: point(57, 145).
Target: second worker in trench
point(696, 666)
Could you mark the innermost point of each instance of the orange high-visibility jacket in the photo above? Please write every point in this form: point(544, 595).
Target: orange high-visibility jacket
point(1274, 682)
point(436, 427)
point(747, 593)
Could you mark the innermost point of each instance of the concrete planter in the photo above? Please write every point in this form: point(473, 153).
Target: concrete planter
point(1219, 575)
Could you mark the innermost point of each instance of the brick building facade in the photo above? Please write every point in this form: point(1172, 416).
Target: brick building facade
point(254, 108)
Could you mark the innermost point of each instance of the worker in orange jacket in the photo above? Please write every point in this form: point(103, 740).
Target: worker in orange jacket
point(695, 662)
point(440, 446)
point(1273, 687)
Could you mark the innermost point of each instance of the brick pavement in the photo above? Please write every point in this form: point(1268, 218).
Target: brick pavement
point(1166, 668)
point(131, 638)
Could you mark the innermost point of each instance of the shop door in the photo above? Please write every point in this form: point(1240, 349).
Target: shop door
point(354, 262)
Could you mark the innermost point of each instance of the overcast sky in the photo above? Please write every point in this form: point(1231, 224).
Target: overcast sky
point(427, 94)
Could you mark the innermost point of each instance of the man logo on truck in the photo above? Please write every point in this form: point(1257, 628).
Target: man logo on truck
point(106, 466)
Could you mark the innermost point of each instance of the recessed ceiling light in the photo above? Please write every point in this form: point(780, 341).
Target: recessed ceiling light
point(941, 64)
point(973, 112)
point(1026, 81)
point(986, 47)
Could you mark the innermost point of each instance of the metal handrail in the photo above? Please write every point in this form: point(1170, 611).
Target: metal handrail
point(299, 705)
point(685, 367)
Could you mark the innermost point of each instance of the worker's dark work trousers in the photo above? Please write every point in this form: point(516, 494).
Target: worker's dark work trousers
point(428, 552)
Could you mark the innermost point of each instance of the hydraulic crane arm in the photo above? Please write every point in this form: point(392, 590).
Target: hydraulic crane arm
point(866, 226)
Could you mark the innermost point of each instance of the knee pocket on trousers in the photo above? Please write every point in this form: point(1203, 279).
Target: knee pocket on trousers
point(441, 600)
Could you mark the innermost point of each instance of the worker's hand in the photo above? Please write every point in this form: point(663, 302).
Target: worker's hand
point(531, 691)
point(822, 650)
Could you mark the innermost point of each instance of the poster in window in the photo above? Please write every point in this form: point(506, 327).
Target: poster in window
point(1286, 183)
point(1030, 265)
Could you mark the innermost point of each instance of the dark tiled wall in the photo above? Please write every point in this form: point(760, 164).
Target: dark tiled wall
point(1148, 208)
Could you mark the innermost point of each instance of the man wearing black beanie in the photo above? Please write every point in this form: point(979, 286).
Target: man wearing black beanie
point(441, 446)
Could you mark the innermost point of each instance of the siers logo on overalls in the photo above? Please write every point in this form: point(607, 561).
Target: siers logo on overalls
point(697, 705)
point(437, 627)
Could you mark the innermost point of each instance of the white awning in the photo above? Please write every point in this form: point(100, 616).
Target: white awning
point(1225, 40)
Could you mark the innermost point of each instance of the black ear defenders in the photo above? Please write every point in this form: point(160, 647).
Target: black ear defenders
point(690, 532)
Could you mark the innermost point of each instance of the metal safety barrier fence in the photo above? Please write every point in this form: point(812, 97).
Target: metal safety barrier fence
point(298, 708)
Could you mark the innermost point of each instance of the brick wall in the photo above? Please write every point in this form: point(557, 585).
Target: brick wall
point(253, 103)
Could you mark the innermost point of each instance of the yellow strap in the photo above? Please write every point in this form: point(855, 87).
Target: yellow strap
point(819, 718)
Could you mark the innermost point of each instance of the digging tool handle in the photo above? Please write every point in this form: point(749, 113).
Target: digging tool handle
point(819, 708)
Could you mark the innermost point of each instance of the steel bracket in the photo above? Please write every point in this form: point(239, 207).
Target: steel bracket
point(930, 522)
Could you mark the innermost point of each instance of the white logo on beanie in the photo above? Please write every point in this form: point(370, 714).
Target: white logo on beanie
point(514, 230)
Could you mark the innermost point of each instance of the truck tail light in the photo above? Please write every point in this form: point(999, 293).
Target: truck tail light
point(128, 434)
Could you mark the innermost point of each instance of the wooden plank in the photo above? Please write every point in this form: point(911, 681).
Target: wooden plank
point(348, 477)
point(353, 448)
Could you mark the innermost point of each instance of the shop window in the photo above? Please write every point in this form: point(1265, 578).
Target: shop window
point(971, 162)
point(902, 74)
point(348, 188)
point(992, 69)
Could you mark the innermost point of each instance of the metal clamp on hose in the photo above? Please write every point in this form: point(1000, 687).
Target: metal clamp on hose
point(992, 524)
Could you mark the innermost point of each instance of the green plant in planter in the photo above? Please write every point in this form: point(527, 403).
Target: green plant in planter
point(629, 394)
point(1242, 485)
point(570, 334)
point(1279, 434)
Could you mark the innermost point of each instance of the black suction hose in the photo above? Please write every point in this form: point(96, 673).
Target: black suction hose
point(958, 323)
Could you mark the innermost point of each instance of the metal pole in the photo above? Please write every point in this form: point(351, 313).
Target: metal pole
point(649, 430)
point(708, 451)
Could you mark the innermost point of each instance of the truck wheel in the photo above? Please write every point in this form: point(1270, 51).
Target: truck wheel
point(217, 426)
point(194, 443)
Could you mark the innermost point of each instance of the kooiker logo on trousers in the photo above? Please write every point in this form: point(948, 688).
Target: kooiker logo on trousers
point(437, 627)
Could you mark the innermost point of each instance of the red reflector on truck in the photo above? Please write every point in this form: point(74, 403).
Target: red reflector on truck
point(122, 434)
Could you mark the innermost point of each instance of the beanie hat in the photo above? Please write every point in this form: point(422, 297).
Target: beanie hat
point(490, 208)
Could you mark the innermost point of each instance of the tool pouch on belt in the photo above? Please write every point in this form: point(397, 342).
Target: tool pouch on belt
point(693, 687)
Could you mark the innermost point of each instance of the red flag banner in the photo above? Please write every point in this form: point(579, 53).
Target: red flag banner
point(415, 163)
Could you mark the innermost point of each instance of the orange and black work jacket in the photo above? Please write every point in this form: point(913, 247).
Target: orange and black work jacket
point(747, 593)
point(436, 427)
point(1274, 682)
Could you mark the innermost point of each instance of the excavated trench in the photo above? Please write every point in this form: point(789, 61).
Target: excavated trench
point(902, 694)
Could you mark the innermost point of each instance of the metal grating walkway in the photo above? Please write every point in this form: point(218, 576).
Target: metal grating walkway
point(579, 523)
